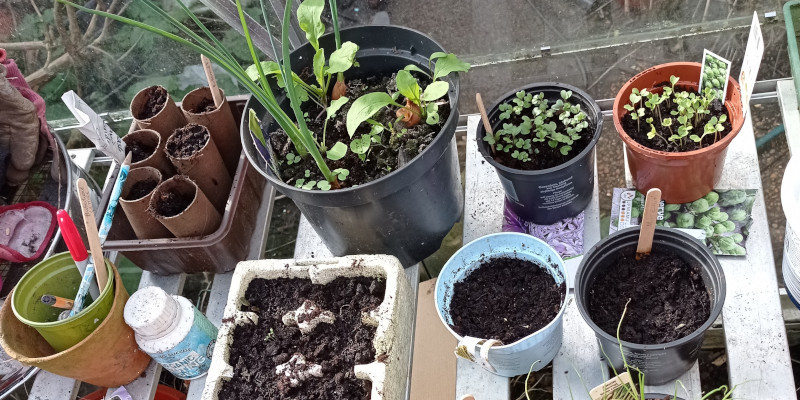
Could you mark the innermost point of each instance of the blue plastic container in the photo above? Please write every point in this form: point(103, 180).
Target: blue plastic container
point(537, 349)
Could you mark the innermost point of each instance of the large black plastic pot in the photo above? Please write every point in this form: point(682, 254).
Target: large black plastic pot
point(660, 363)
point(549, 195)
point(406, 213)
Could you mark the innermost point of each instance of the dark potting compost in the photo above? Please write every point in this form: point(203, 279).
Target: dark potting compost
point(156, 98)
point(170, 204)
point(258, 349)
point(638, 130)
point(505, 299)
point(204, 106)
point(668, 298)
point(386, 156)
point(141, 189)
point(140, 151)
point(187, 141)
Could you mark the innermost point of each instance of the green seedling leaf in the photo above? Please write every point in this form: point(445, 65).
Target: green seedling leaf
point(361, 145)
point(342, 59)
point(435, 91)
point(341, 173)
point(407, 86)
point(412, 67)
point(319, 67)
point(255, 127)
point(335, 106)
point(364, 108)
point(269, 68)
point(438, 54)
point(309, 14)
point(337, 151)
point(324, 185)
point(447, 64)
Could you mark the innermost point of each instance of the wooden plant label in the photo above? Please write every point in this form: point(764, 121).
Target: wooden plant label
point(615, 389)
point(752, 60)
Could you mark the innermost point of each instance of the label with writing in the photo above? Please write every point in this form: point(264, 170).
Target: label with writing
point(557, 195)
point(191, 358)
point(95, 128)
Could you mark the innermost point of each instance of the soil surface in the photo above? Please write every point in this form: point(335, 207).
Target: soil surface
point(141, 189)
point(156, 98)
point(204, 106)
point(257, 349)
point(170, 204)
point(385, 156)
point(638, 130)
point(547, 157)
point(140, 151)
point(505, 299)
point(668, 299)
point(187, 141)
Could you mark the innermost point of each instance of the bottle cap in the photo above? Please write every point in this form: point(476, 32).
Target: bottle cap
point(151, 311)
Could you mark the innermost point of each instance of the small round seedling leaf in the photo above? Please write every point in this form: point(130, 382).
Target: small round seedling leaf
point(337, 151)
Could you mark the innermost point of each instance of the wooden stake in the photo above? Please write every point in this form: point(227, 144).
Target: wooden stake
point(212, 81)
point(85, 198)
point(648, 225)
point(484, 117)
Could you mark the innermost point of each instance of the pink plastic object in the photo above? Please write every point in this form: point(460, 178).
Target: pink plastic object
point(25, 230)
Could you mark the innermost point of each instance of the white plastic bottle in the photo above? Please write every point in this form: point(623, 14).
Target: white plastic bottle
point(172, 331)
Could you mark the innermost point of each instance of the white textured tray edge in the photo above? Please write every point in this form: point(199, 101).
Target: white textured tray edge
point(394, 315)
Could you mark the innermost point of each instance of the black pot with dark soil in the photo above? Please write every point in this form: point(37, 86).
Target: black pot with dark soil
point(551, 185)
point(669, 299)
point(405, 213)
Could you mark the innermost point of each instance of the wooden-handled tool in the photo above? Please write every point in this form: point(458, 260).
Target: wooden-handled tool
point(648, 225)
point(212, 81)
point(91, 233)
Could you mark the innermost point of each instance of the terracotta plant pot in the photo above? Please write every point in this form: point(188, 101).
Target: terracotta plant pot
point(164, 121)
point(219, 121)
point(108, 357)
point(149, 138)
point(682, 177)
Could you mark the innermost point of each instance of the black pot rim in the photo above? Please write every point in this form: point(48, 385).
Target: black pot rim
point(532, 87)
point(276, 181)
point(715, 311)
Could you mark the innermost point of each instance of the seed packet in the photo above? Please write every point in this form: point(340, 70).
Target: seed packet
point(714, 74)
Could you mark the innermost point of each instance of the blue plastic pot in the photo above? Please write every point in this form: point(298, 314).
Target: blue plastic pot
point(538, 348)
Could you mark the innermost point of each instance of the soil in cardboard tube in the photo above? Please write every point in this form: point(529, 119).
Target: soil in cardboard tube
point(668, 298)
point(257, 349)
point(205, 105)
point(170, 204)
point(505, 299)
point(638, 130)
point(140, 151)
point(156, 98)
point(141, 189)
point(187, 141)
point(384, 157)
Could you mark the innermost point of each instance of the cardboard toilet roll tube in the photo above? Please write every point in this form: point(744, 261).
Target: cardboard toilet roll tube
point(198, 218)
point(149, 138)
point(108, 357)
point(219, 121)
point(143, 223)
point(204, 165)
point(165, 121)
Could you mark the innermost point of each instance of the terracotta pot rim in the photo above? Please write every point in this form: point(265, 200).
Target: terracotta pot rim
point(664, 155)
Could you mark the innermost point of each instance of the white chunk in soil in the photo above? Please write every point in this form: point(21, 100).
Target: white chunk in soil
point(307, 317)
point(298, 370)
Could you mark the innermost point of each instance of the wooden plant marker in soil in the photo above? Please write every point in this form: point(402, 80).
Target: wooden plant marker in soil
point(648, 226)
point(91, 234)
point(484, 118)
point(212, 81)
point(609, 390)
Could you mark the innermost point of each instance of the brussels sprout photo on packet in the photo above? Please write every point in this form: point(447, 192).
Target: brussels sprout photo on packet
point(714, 74)
point(721, 219)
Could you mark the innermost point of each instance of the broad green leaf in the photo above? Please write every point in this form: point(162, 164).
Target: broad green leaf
point(437, 54)
point(364, 108)
point(341, 60)
point(269, 68)
point(447, 64)
point(309, 15)
point(435, 90)
point(412, 67)
point(319, 66)
point(360, 145)
point(337, 151)
point(407, 86)
point(335, 106)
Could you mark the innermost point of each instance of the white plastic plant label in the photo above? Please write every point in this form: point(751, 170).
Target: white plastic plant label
point(752, 60)
point(95, 128)
point(714, 74)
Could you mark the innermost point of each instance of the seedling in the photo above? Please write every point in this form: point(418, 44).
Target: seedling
point(557, 125)
point(689, 117)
